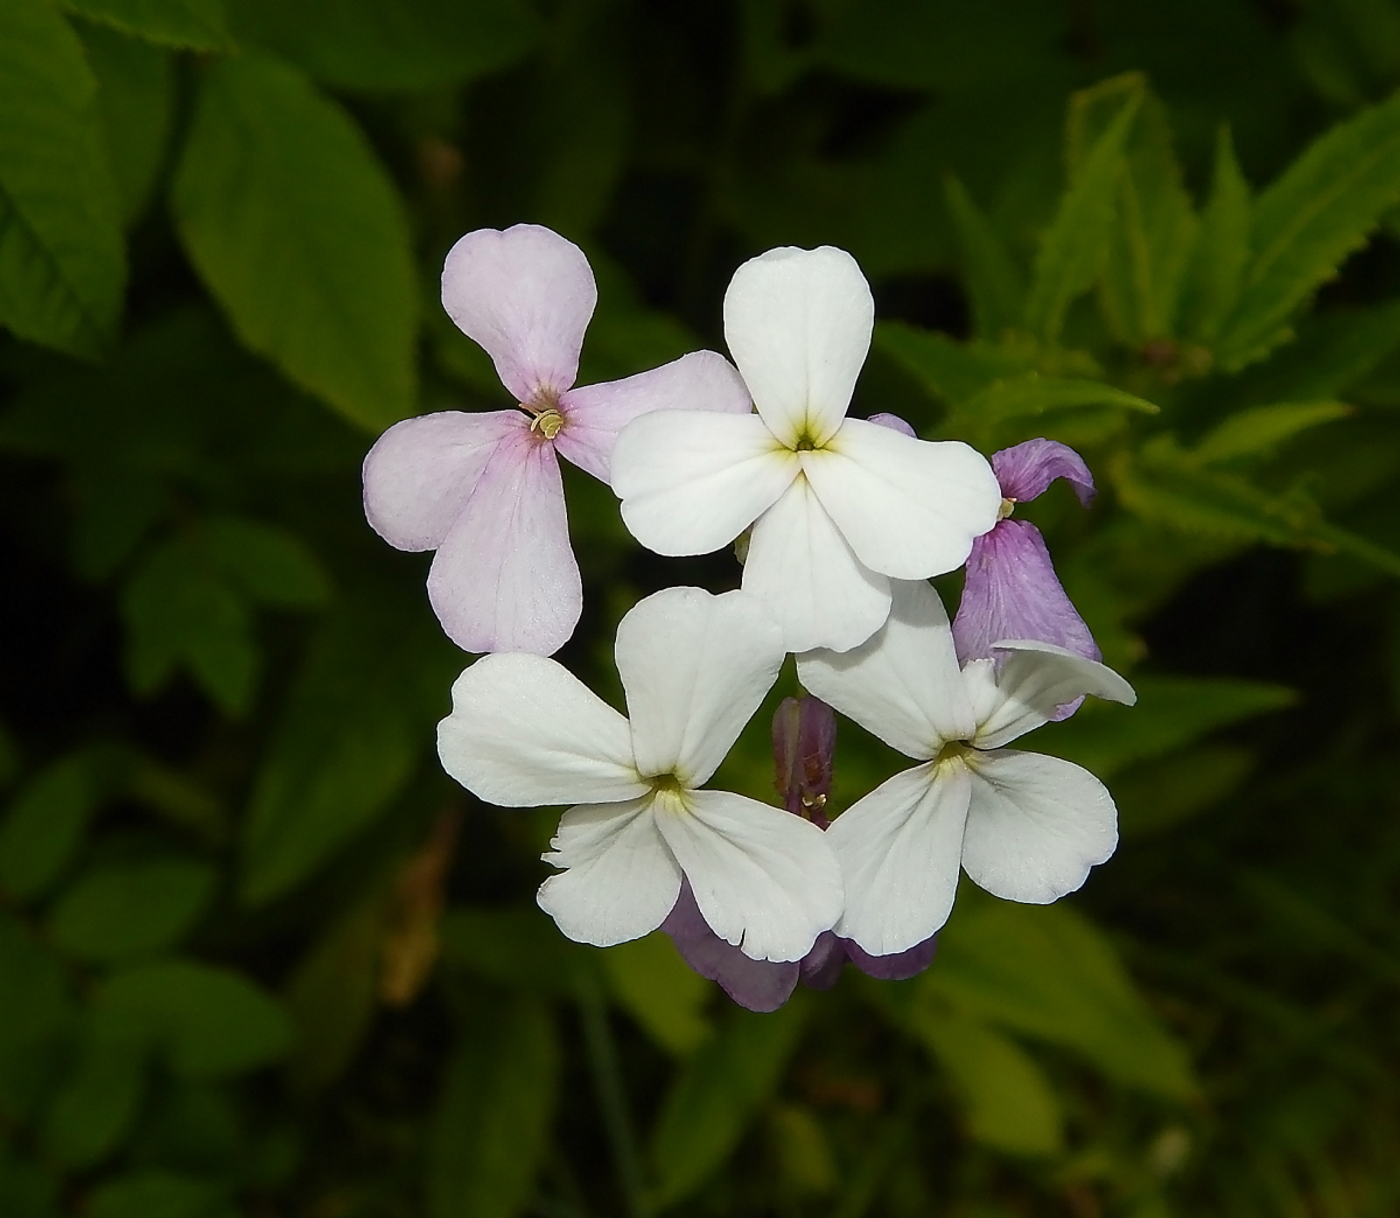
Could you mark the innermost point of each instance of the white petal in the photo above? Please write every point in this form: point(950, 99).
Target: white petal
point(692, 481)
point(903, 683)
point(695, 668)
point(910, 508)
point(899, 849)
point(1035, 678)
point(798, 324)
point(808, 579)
point(1036, 825)
point(524, 731)
point(595, 415)
point(765, 880)
point(620, 880)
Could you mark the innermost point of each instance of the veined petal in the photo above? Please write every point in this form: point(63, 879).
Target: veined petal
point(800, 566)
point(1026, 470)
point(903, 683)
point(765, 881)
point(798, 324)
point(619, 880)
point(1034, 680)
point(692, 481)
point(695, 668)
point(525, 732)
point(899, 966)
point(758, 985)
point(595, 414)
point(909, 508)
point(899, 849)
point(526, 295)
point(1036, 825)
point(505, 577)
point(421, 472)
point(1011, 592)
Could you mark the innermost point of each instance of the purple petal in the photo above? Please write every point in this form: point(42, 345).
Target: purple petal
point(421, 472)
point(1011, 592)
point(899, 966)
point(1026, 470)
point(804, 747)
point(594, 414)
point(822, 966)
point(526, 295)
point(894, 423)
point(759, 985)
point(505, 578)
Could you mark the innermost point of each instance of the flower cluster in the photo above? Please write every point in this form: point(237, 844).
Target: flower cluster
point(845, 521)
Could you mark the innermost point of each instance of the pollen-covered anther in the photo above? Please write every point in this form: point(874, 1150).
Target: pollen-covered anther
point(1008, 505)
point(547, 422)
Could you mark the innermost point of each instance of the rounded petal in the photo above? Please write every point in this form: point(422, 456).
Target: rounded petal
point(695, 668)
point(798, 324)
point(909, 508)
point(758, 985)
point(421, 472)
point(1011, 592)
point(1036, 825)
point(505, 577)
point(1034, 681)
point(526, 295)
point(525, 732)
point(903, 683)
point(692, 481)
point(1026, 470)
point(899, 849)
point(800, 566)
point(895, 423)
point(595, 414)
point(765, 881)
point(899, 966)
point(619, 879)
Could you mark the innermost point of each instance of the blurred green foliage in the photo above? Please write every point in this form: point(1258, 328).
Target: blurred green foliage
point(260, 958)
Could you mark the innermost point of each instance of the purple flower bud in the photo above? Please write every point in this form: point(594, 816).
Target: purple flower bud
point(894, 423)
point(804, 745)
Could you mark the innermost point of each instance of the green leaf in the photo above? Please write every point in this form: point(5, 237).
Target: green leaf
point(993, 280)
point(272, 566)
point(62, 260)
point(490, 1132)
point(194, 25)
point(209, 1022)
point(99, 1099)
point(114, 508)
point(132, 908)
point(1046, 971)
point(1260, 429)
point(1320, 210)
point(296, 229)
point(516, 948)
point(44, 826)
point(1165, 792)
point(1033, 394)
point(651, 982)
point(948, 369)
point(1010, 1104)
point(1073, 248)
point(409, 44)
point(716, 1096)
point(1153, 223)
point(1215, 274)
point(159, 1194)
point(36, 1016)
point(29, 1191)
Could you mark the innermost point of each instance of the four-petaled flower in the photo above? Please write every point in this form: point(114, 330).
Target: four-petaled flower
point(484, 490)
point(838, 506)
point(524, 732)
point(1023, 826)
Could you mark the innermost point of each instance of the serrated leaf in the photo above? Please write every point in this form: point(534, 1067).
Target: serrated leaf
point(1073, 248)
point(948, 369)
point(1033, 394)
point(194, 25)
point(1259, 429)
point(208, 1022)
point(717, 1095)
point(490, 1131)
point(1320, 210)
point(1215, 274)
point(649, 980)
point(1047, 972)
point(993, 280)
point(44, 826)
point(296, 229)
point(131, 908)
point(62, 258)
point(272, 565)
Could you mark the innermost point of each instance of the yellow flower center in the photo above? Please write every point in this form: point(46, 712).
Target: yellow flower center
point(1008, 505)
point(547, 421)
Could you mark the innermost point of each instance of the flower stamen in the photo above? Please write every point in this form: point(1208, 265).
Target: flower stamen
point(1008, 505)
point(547, 421)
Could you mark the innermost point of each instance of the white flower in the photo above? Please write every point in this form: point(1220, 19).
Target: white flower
point(523, 732)
point(1024, 827)
point(838, 506)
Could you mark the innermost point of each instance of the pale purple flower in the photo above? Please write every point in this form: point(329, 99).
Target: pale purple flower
point(484, 489)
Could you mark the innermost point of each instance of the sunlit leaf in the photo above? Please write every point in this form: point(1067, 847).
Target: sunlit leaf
point(1259, 429)
point(1215, 274)
point(1033, 394)
point(993, 280)
point(948, 369)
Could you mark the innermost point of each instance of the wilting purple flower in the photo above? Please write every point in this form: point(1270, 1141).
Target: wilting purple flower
point(804, 744)
point(1011, 590)
point(484, 490)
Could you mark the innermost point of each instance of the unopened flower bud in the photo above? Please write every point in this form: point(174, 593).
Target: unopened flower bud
point(804, 744)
